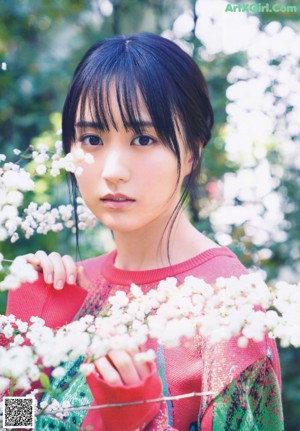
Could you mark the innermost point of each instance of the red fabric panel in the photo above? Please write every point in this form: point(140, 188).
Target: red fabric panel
point(56, 307)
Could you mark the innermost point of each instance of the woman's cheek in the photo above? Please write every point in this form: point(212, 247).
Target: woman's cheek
point(86, 176)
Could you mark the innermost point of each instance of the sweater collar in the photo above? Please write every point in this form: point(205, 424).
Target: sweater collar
point(125, 277)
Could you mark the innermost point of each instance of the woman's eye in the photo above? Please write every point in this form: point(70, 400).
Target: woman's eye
point(91, 140)
point(143, 140)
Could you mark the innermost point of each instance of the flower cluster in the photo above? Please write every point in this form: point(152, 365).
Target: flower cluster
point(43, 218)
point(243, 307)
point(286, 324)
point(20, 271)
point(15, 181)
point(47, 161)
point(60, 411)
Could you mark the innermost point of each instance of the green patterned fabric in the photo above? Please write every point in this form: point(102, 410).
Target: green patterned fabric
point(77, 393)
point(250, 403)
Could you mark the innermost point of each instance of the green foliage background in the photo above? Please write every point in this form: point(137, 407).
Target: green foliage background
point(41, 41)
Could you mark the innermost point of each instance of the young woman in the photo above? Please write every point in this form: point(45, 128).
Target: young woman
point(140, 106)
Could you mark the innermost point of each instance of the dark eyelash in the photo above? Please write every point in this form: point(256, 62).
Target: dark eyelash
point(83, 138)
point(146, 136)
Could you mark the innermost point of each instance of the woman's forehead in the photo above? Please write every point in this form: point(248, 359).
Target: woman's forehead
point(112, 107)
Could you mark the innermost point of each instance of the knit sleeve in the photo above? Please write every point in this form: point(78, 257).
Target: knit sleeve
point(252, 401)
point(42, 300)
point(131, 418)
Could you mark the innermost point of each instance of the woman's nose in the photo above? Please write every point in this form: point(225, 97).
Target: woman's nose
point(115, 168)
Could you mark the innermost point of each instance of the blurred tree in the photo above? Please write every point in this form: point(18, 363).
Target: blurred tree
point(41, 41)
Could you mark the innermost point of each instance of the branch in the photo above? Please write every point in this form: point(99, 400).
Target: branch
point(130, 403)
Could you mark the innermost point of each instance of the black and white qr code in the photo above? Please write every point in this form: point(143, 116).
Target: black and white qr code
point(18, 412)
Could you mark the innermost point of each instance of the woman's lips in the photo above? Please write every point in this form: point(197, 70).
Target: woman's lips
point(117, 201)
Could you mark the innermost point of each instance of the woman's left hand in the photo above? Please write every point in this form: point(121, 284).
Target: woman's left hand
point(119, 367)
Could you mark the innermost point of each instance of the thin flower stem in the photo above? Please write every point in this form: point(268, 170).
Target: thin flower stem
point(131, 403)
point(7, 260)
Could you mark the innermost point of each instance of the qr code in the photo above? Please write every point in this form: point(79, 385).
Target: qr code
point(18, 412)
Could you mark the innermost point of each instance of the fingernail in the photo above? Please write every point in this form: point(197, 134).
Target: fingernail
point(59, 284)
point(49, 279)
point(71, 279)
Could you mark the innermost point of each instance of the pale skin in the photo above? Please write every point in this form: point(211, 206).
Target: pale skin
point(145, 170)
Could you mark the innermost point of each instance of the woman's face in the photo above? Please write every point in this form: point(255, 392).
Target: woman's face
point(132, 182)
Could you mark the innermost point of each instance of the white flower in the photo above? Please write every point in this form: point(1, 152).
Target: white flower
point(37, 320)
point(119, 300)
point(58, 146)
point(42, 148)
point(33, 372)
point(272, 319)
point(41, 169)
point(136, 291)
point(77, 155)
point(78, 171)
point(54, 172)
point(23, 382)
point(10, 282)
point(14, 197)
point(22, 326)
point(23, 270)
point(172, 332)
point(18, 339)
point(198, 285)
point(18, 180)
point(58, 372)
point(4, 383)
point(3, 234)
point(41, 158)
point(88, 318)
point(166, 314)
point(243, 342)
point(89, 158)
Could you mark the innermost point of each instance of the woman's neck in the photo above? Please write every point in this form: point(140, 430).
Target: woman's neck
point(138, 251)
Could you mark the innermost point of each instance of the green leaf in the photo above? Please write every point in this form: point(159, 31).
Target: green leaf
point(45, 381)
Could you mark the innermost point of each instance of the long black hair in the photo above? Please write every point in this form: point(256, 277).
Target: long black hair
point(171, 84)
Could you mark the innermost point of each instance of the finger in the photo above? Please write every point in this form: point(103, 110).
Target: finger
point(70, 268)
point(124, 364)
point(108, 371)
point(46, 266)
point(144, 369)
point(59, 271)
point(82, 280)
point(33, 260)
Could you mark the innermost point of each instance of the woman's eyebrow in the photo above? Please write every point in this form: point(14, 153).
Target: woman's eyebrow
point(133, 125)
point(139, 124)
point(87, 124)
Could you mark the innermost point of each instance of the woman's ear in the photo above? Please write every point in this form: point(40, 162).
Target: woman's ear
point(188, 164)
point(190, 158)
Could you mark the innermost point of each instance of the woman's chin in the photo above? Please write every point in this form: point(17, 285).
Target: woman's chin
point(120, 226)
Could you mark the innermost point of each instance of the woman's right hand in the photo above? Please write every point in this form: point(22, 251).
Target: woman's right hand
point(57, 269)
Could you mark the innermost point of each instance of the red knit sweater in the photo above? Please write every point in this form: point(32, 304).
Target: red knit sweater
point(193, 367)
